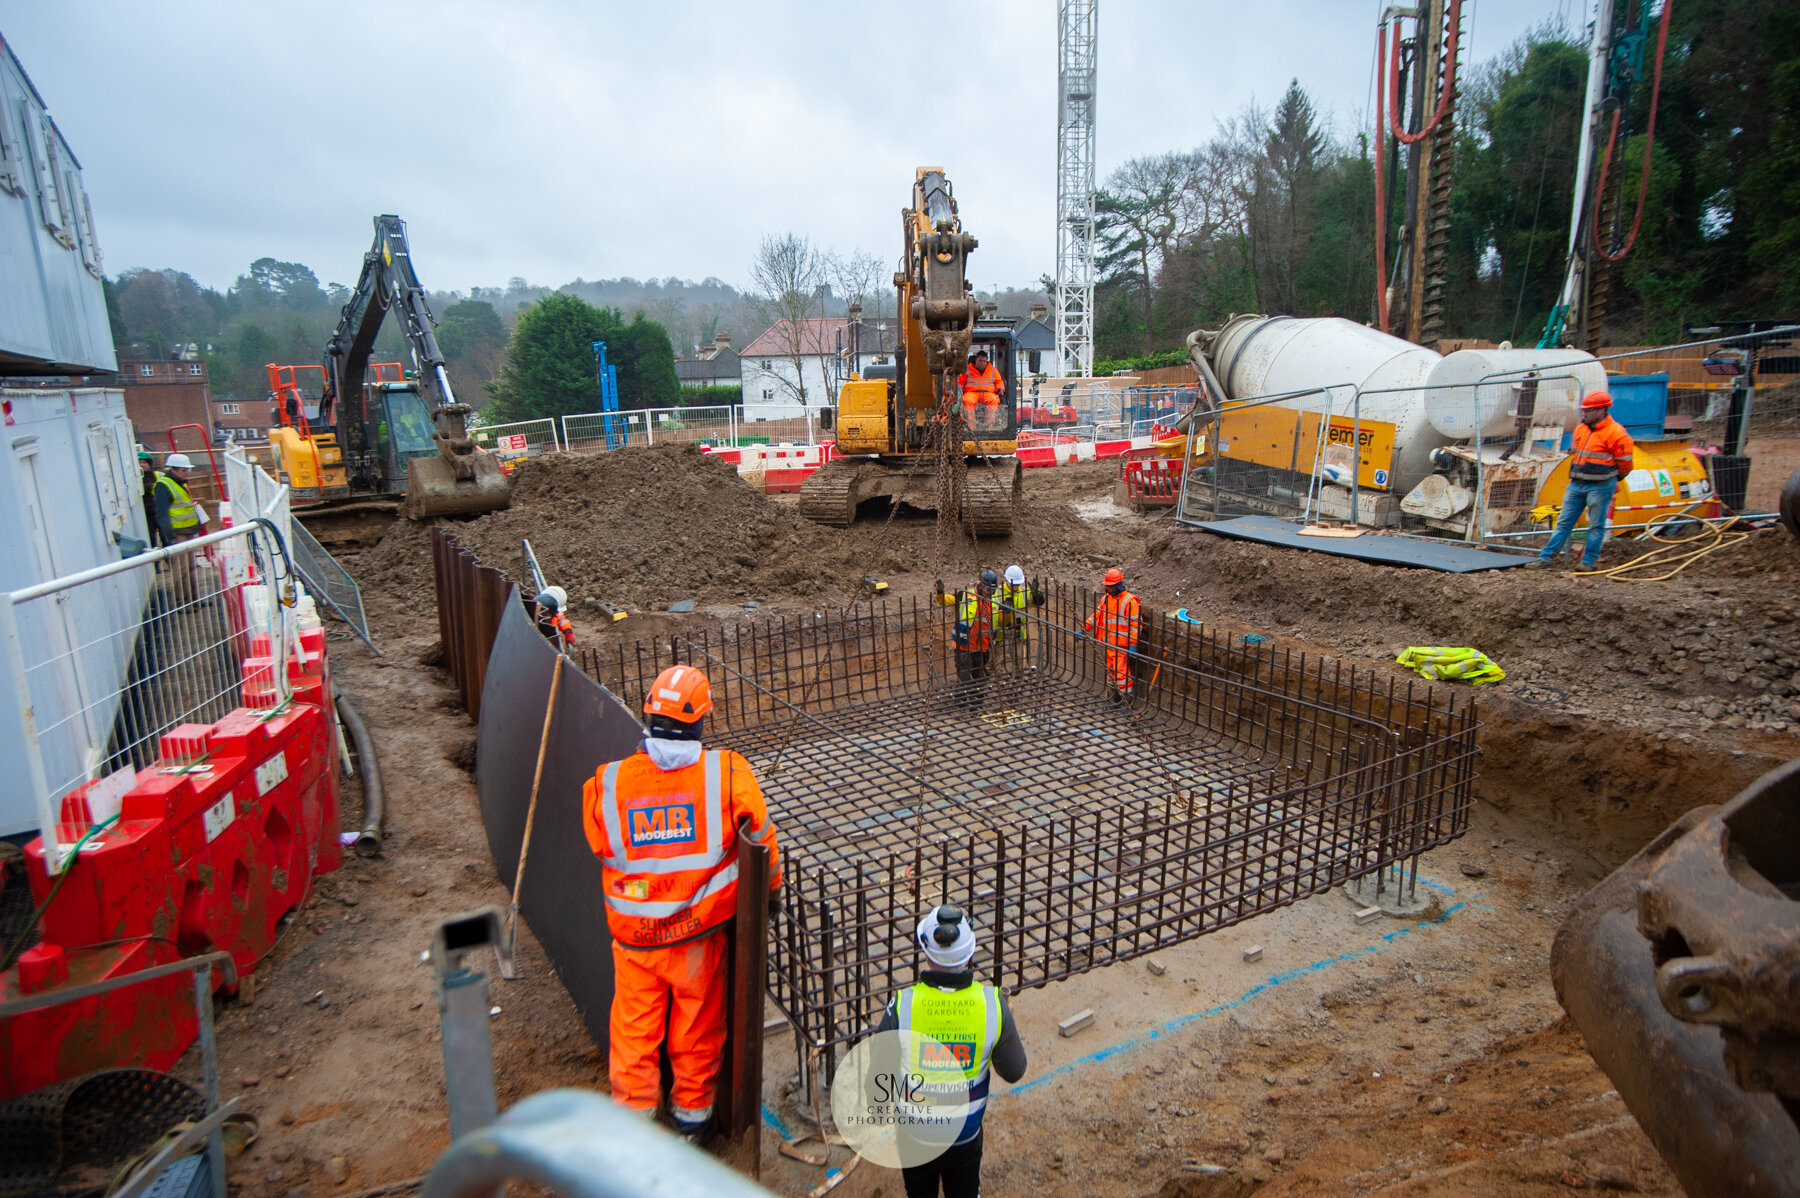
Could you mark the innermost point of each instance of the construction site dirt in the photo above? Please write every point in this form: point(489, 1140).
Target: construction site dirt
point(1417, 1056)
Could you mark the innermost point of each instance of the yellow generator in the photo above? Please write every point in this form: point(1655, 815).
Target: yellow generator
point(1667, 479)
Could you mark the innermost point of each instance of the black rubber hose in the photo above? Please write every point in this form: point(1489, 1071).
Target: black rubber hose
point(368, 841)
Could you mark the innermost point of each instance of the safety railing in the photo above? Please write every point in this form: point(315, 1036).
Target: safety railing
point(104, 662)
point(520, 437)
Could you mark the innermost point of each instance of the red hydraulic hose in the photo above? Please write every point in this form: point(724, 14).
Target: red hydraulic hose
point(1662, 42)
point(1381, 296)
point(1392, 81)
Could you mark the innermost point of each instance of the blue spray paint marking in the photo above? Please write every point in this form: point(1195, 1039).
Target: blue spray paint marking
point(1276, 979)
point(774, 1123)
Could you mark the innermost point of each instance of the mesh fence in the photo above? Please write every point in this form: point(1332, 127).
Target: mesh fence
point(522, 438)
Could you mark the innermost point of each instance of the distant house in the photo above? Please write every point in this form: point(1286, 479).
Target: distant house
point(830, 350)
point(714, 366)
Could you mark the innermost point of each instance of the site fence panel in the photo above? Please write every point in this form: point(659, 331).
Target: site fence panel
point(596, 432)
point(1077, 830)
point(774, 424)
point(103, 663)
point(251, 491)
point(519, 438)
point(705, 426)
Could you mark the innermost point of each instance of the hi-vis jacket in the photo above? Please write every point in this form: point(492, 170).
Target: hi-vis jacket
point(667, 843)
point(1115, 620)
point(979, 385)
point(1600, 453)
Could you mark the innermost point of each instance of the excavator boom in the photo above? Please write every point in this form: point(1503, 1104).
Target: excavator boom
point(457, 478)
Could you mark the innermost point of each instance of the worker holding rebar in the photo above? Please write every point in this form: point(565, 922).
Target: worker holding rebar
point(664, 823)
point(1012, 623)
point(1599, 459)
point(974, 632)
point(972, 1018)
point(1115, 623)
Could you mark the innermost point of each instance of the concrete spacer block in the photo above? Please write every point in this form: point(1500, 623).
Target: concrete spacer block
point(1253, 953)
point(1368, 913)
point(1079, 1021)
point(1155, 966)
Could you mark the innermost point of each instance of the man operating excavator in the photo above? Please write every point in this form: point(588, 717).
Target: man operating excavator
point(664, 824)
point(982, 389)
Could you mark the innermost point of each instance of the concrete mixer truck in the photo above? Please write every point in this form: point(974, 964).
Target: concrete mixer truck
point(1347, 422)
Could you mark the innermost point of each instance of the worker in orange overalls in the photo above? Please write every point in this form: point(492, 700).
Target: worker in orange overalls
point(664, 824)
point(1115, 623)
point(982, 388)
point(973, 635)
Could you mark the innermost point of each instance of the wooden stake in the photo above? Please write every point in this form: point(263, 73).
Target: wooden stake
point(531, 810)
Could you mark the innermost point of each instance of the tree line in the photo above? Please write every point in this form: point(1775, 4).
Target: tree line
point(1276, 212)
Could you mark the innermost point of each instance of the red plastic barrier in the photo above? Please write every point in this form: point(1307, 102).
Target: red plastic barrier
point(786, 480)
point(1041, 456)
point(734, 456)
point(214, 844)
point(1152, 481)
point(1111, 449)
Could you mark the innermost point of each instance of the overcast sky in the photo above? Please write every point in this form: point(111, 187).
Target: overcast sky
point(555, 139)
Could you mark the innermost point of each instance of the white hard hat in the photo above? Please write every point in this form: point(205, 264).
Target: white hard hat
point(946, 937)
point(1015, 576)
point(556, 593)
point(177, 461)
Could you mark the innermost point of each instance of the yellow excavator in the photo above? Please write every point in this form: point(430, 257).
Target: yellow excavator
point(398, 433)
point(909, 438)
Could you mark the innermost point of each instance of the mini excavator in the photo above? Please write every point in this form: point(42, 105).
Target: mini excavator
point(385, 435)
point(906, 437)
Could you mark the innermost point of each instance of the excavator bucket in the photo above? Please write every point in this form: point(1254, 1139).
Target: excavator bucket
point(433, 488)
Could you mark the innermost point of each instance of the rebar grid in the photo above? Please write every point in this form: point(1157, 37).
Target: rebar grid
point(1077, 829)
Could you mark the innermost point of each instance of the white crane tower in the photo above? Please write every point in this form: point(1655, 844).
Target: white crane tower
point(1075, 186)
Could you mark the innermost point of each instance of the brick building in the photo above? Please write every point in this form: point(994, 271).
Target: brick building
point(162, 395)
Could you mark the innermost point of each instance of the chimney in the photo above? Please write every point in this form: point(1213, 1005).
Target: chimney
point(721, 343)
point(1039, 311)
point(989, 309)
point(855, 310)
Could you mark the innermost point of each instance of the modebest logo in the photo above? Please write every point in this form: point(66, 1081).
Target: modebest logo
point(671, 823)
point(901, 1098)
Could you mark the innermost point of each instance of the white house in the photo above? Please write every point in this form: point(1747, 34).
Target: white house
point(785, 368)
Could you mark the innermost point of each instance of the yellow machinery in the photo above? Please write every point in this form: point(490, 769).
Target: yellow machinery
point(383, 434)
point(1666, 479)
point(909, 438)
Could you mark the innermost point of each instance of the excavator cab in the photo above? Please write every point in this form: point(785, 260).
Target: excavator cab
point(402, 429)
point(996, 422)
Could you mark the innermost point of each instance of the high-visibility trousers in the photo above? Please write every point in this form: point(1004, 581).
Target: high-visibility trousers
point(644, 983)
point(1118, 664)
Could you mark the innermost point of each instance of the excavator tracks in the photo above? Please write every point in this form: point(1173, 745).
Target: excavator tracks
point(828, 496)
point(990, 497)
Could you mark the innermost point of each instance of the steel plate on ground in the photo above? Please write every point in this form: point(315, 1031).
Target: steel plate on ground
point(1447, 556)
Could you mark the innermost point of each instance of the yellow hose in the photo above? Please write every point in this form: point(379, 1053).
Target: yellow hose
point(1672, 553)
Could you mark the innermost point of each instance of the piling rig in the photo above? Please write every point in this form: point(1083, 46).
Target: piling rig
point(905, 437)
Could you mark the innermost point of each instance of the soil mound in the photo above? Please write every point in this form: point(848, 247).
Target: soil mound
point(637, 526)
point(1720, 639)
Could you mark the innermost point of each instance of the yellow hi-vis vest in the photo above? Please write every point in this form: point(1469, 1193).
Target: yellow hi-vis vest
point(181, 504)
point(967, 1023)
point(1011, 604)
point(1453, 665)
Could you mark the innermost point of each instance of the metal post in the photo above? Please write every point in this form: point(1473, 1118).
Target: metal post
point(1355, 454)
point(648, 438)
point(209, 1067)
point(731, 422)
point(34, 756)
point(457, 946)
point(1475, 403)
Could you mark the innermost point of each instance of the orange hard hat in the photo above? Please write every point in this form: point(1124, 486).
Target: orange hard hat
point(1114, 576)
point(1596, 399)
point(681, 693)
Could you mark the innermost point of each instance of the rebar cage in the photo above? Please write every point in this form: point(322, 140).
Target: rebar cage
point(1077, 828)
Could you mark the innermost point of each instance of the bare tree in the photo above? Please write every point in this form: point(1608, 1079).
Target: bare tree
point(789, 276)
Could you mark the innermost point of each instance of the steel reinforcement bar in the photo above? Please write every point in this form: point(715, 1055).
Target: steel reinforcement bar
point(1078, 830)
